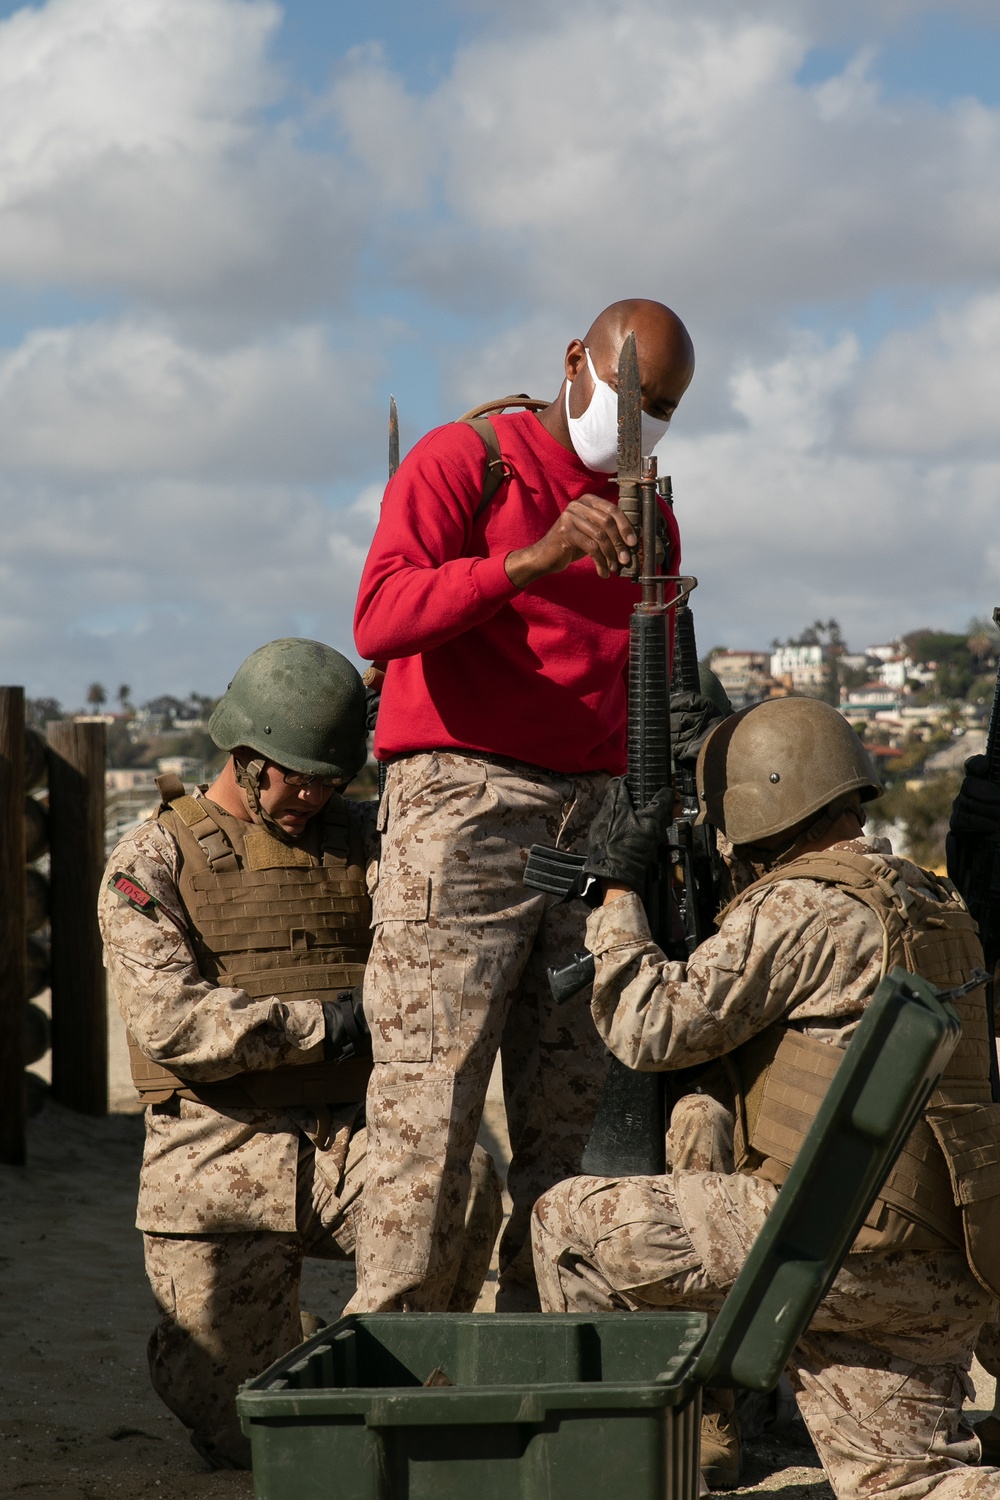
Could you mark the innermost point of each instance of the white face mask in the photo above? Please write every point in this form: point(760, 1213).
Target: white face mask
point(594, 435)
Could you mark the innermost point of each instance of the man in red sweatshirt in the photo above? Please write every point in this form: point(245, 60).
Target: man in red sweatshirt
point(503, 713)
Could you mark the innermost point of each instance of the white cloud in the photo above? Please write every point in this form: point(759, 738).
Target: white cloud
point(672, 152)
point(132, 398)
point(791, 402)
point(163, 513)
point(527, 357)
point(134, 155)
point(786, 519)
point(168, 584)
point(935, 389)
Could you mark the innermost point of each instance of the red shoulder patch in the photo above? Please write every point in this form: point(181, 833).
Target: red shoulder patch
point(129, 891)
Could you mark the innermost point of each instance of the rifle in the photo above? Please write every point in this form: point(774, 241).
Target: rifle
point(694, 842)
point(375, 675)
point(628, 1134)
point(980, 882)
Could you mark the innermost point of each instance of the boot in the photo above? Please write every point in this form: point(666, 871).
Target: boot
point(988, 1433)
point(720, 1440)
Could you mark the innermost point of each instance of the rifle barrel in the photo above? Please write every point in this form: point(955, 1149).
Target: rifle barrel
point(687, 678)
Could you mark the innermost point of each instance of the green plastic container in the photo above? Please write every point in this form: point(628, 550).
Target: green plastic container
point(605, 1407)
point(537, 1404)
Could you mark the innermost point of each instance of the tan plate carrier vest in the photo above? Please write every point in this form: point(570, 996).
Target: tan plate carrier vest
point(272, 919)
point(947, 1177)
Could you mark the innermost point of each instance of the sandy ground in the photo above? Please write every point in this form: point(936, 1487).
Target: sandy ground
point(78, 1419)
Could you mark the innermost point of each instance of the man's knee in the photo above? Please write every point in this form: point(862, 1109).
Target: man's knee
point(700, 1138)
point(561, 1221)
point(484, 1213)
point(228, 1308)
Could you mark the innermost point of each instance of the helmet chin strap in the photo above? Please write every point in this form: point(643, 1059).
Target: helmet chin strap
point(763, 860)
point(248, 777)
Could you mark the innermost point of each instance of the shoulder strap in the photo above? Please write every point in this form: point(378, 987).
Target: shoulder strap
point(209, 833)
point(169, 786)
point(837, 867)
point(858, 872)
point(497, 468)
point(873, 882)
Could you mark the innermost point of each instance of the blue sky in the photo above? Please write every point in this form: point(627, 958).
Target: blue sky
point(939, 57)
point(229, 228)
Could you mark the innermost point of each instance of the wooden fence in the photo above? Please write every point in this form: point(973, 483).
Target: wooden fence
point(74, 762)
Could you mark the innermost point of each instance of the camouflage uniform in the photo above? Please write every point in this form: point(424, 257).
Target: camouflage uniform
point(231, 1200)
point(458, 970)
point(882, 1372)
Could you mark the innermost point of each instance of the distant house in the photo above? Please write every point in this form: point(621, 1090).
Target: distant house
point(869, 701)
point(802, 668)
point(895, 670)
point(885, 652)
point(743, 674)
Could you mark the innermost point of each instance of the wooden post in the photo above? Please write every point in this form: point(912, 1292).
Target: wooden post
point(13, 931)
point(76, 844)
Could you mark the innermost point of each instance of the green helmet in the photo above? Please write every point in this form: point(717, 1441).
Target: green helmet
point(769, 767)
point(299, 704)
point(712, 688)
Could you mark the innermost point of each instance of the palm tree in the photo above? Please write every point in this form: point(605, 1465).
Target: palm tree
point(124, 694)
point(96, 696)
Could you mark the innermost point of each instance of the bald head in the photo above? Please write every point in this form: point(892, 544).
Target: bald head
point(662, 342)
point(666, 361)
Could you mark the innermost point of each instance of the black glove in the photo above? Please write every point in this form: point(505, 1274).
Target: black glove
point(347, 1033)
point(975, 812)
point(623, 842)
point(692, 719)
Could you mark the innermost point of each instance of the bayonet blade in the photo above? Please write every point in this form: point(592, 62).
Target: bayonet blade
point(629, 414)
point(393, 437)
point(629, 445)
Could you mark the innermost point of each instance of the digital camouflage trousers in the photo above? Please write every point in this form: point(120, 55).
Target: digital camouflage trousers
point(882, 1372)
point(458, 972)
point(229, 1303)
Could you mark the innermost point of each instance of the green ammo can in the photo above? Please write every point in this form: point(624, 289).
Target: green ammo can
point(450, 1406)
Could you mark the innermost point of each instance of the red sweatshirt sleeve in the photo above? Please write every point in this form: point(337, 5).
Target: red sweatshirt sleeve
point(418, 590)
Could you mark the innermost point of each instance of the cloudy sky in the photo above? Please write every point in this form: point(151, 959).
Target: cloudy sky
point(229, 228)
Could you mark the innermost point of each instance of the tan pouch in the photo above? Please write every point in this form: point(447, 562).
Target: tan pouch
point(969, 1137)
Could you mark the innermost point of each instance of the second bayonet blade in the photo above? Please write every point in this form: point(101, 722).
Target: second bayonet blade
point(393, 437)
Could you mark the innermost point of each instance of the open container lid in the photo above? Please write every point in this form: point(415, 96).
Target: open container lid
point(889, 1071)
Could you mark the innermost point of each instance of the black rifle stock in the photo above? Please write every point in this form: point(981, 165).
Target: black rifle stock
point(694, 842)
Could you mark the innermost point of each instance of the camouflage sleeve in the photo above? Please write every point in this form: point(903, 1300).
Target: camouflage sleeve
point(178, 1018)
point(768, 956)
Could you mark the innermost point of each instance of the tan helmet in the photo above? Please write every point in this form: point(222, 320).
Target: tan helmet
point(768, 767)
